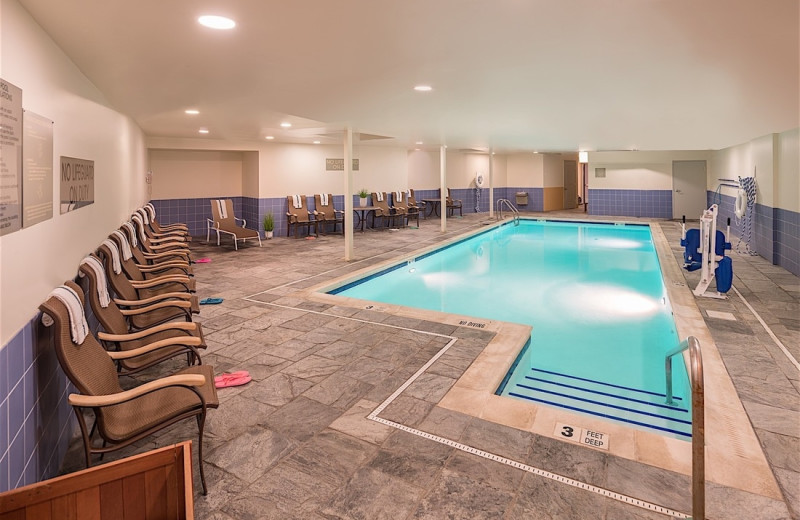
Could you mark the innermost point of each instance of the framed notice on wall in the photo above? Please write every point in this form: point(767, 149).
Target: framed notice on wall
point(77, 183)
point(10, 157)
point(37, 169)
point(337, 165)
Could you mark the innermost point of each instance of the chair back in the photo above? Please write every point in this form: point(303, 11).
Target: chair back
point(110, 317)
point(327, 212)
point(118, 281)
point(298, 214)
point(87, 365)
point(399, 201)
point(222, 212)
point(382, 205)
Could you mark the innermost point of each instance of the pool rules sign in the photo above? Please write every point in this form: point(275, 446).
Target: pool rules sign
point(77, 183)
point(10, 157)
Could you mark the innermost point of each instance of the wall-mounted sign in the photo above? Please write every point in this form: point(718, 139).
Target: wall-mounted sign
point(37, 169)
point(77, 183)
point(10, 157)
point(337, 165)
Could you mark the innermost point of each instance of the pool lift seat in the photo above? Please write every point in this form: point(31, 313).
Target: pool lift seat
point(698, 244)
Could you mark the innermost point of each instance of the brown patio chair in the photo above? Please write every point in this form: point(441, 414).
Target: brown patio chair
point(452, 204)
point(148, 253)
point(412, 203)
point(156, 244)
point(154, 234)
point(402, 207)
point(168, 265)
point(156, 344)
point(159, 228)
point(297, 215)
point(326, 214)
point(166, 282)
point(123, 417)
point(224, 221)
point(163, 307)
point(383, 211)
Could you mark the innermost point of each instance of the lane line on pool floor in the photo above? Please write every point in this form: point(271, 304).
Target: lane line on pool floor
point(769, 330)
point(373, 416)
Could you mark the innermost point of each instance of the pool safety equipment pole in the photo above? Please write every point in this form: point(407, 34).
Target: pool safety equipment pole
point(698, 419)
point(710, 259)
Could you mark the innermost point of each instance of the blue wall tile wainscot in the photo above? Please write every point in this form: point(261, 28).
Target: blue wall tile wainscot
point(631, 203)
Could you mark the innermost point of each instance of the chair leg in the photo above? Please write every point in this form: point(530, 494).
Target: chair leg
point(201, 419)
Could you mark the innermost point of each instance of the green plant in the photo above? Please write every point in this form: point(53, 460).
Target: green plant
point(269, 222)
point(363, 193)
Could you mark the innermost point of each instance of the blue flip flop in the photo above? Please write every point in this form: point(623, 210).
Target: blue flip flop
point(211, 301)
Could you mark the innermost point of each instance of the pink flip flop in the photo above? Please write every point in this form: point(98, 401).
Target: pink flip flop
point(202, 260)
point(232, 381)
point(229, 375)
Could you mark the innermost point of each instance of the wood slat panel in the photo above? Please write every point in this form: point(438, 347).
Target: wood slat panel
point(40, 511)
point(553, 198)
point(87, 503)
point(64, 507)
point(17, 514)
point(133, 496)
point(155, 485)
point(111, 499)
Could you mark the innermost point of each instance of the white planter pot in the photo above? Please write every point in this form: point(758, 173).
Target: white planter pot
point(362, 202)
point(268, 234)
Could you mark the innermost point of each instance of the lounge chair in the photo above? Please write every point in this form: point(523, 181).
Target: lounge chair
point(151, 247)
point(153, 233)
point(158, 228)
point(164, 307)
point(384, 212)
point(156, 344)
point(148, 254)
point(225, 221)
point(297, 214)
point(169, 265)
point(325, 213)
point(122, 417)
point(166, 282)
point(412, 203)
point(403, 209)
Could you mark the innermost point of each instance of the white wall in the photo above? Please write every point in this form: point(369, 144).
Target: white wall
point(787, 187)
point(179, 174)
point(423, 169)
point(250, 177)
point(525, 169)
point(638, 170)
point(553, 170)
point(37, 259)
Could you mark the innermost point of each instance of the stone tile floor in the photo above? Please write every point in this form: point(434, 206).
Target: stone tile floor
point(295, 442)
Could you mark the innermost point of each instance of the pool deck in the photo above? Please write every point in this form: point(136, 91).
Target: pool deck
point(304, 440)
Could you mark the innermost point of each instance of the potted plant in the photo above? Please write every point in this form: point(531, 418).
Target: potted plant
point(362, 197)
point(269, 225)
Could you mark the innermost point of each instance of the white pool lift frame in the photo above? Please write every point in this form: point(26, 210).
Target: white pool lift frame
point(708, 245)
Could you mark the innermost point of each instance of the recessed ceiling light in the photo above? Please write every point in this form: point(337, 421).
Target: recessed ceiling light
point(423, 88)
point(270, 137)
point(286, 125)
point(203, 130)
point(535, 152)
point(192, 112)
point(419, 142)
point(316, 142)
point(216, 22)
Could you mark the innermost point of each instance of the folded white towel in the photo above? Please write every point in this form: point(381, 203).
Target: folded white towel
point(398, 197)
point(144, 214)
point(125, 247)
point(408, 193)
point(137, 220)
point(115, 263)
point(151, 209)
point(222, 208)
point(380, 196)
point(77, 319)
point(132, 233)
point(296, 202)
point(102, 283)
point(323, 199)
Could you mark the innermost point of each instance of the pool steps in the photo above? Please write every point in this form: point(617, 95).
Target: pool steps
point(640, 408)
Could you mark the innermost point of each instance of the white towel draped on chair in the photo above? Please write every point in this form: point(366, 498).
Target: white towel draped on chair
point(380, 196)
point(102, 284)
point(125, 247)
point(297, 202)
point(137, 219)
point(222, 208)
point(144, 214)
point(132, 231)
point(398, 197)
point(112, 246)
point(323, 199)
point(77, 319)
point(152, 210)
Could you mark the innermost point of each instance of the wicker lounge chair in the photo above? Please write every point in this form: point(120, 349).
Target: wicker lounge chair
point(166, 282)
point(123, 417)
point(297, 215)
point(158, 228)
point(172, 339)
point(452, 204)
point(326, 214)
point(412, 203)
point(168, 265)
point(383, 211)
point(154, 234)
point(148, 254)
point(224, 221)
point(402, 207)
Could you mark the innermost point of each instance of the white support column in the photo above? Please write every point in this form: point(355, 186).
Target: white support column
point(443, 186)
point(348, 194)
point(491, 183)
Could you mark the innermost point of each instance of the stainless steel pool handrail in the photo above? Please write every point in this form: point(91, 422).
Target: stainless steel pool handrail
point(514, 211)
point(698, 419)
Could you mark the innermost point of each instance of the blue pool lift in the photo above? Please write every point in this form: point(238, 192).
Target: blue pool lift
point(698, 244)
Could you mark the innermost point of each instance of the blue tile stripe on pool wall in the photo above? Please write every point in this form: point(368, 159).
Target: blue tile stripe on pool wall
point(775, 232)
point(36, 421)
point(631, 203)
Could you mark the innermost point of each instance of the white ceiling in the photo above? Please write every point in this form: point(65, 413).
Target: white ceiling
point(509, 74)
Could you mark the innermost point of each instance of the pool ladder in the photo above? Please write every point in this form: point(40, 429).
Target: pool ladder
point(507, 203)
point(698, 419)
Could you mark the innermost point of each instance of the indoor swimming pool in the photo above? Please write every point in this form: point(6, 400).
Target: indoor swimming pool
point(594, 296)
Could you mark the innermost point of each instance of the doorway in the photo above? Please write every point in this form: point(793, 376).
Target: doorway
point(688, 189)
point(570, 184)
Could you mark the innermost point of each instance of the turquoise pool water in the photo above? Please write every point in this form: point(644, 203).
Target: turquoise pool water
point(595, 298)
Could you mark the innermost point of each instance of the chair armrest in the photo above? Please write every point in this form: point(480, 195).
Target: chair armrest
point(170, 247)
point(156, 306)
point(338, 211)
point(173, 325)
point(244, 222)
point(90, 401)
point(156, 298)
point(166, 254)
point(187, 341)
point(168, 264)
point(167, 240)
point(152, 282)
